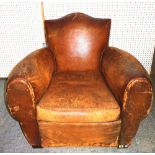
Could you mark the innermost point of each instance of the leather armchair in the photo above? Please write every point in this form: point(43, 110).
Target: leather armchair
point(79, 91)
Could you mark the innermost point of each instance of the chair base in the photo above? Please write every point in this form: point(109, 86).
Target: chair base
point(79, 134)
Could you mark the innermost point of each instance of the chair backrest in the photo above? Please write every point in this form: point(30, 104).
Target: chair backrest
point(77, 41)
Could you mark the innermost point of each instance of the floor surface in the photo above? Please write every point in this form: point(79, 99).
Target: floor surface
point(12, 139)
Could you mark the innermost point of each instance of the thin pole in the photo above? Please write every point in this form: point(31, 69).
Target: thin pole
point(43, 19)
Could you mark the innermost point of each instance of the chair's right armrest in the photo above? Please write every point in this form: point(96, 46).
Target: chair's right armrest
point(25, 86)
point(131, 86)
point(119, 69)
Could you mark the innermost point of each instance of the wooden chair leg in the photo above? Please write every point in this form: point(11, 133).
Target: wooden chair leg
point(36, 147)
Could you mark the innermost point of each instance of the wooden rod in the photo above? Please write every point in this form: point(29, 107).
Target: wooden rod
point(43, 19)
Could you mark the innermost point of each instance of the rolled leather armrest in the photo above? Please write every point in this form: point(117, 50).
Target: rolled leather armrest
point(132, 88)
point(26, 84)
point(36, 69)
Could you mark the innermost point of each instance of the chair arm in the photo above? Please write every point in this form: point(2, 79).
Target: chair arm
point(37, 69)
point(26, 84)
point(131, 86)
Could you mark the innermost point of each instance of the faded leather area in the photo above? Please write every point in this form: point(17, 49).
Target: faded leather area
point(37, 69)
point(118, 68)
point(77, 41)
point(136, 106)
point(20, 103)
point(78, 97)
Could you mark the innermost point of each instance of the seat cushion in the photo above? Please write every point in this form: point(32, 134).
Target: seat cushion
point(78, 97)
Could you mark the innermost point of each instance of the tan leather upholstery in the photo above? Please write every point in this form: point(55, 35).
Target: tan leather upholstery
point(131, 85)
point(78, 97)
point(77, 41)
point(79, 91)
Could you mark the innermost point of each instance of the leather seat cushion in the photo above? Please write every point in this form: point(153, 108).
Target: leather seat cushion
point(78, 97)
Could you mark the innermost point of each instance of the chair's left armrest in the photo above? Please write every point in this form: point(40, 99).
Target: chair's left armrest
point(36, 69)
point(25, 86)
point(131, 86)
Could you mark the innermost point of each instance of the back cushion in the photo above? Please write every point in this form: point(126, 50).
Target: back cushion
point(77, 41)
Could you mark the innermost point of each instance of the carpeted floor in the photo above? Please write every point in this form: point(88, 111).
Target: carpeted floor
point(12, 139)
